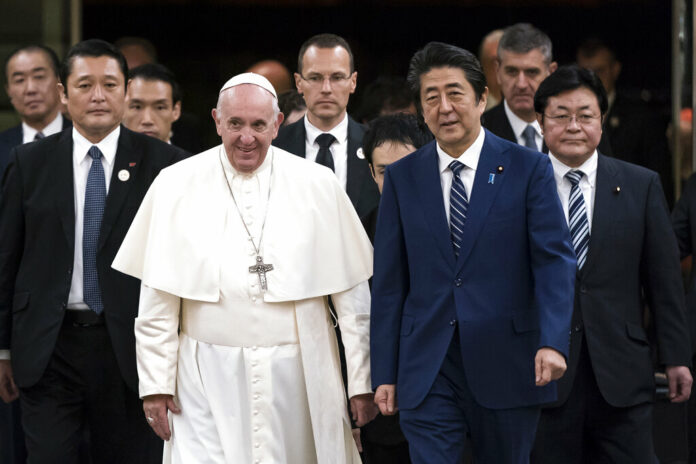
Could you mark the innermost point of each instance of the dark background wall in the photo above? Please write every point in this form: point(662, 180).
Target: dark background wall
point(205, 43)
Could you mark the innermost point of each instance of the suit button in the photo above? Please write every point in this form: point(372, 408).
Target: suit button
point(458, 282)
point(453, 322)
point(583, 289)
point(576, 328)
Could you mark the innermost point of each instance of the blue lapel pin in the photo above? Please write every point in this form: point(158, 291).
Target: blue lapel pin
point(491, 178)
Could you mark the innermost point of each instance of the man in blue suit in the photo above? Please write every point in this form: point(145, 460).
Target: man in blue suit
point(473, 278)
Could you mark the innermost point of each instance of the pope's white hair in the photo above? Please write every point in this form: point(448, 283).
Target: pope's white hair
point(274, 100)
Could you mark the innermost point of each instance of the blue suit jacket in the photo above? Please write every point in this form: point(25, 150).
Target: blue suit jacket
point(511, 290)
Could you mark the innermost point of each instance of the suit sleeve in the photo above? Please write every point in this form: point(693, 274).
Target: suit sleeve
point(389, 288)
point(11, 244)
point(552, 258)
point(662, 281)
point(681, 220)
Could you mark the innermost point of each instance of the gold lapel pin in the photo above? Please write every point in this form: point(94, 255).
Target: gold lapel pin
point(500, 169)
point(617, 189)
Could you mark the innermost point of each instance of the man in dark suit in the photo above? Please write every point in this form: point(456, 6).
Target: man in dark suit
point(471, 300)
point(326, 78)
point(32, 86)
point(626, 249)
point(524, 60)
point(65, 316)
point(631, 130)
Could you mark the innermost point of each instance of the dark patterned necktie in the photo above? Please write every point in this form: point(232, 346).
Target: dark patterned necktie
point(459, 204)
point(324, 156)
point(95, 198)
point(577, 217)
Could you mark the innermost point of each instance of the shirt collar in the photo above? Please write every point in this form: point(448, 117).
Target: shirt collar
point(55, 126)
point(519, 125)
point(108, 146)
point(589, 168)
point(340, 131)
point(469, 158)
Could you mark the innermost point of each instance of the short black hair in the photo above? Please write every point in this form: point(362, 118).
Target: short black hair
point(386, 93)
point(141, 42)
point(30, 48)
point(324, 41)
point(593, 45)
point(567, 78)
point(290, 101)
point(442, 55)
point(157, 72)
point(92, 48)
point(407, 129)
point(523, 38)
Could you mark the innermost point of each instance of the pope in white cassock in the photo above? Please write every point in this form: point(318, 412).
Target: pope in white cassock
point(237, 249)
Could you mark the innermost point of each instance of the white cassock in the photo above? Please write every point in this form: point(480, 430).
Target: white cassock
point(256, 372)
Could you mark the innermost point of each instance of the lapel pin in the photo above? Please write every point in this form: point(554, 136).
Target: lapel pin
point(617, 189)
point(130, 165)
point(360, 153)
point(491, 178)
point(500, 169)
point(123, 175)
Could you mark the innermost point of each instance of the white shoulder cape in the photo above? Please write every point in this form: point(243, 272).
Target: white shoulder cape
point(313, 236)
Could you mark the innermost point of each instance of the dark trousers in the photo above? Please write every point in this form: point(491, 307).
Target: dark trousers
point(12, 450)
point(586, 429)
point(436, 430)
point(82, 393)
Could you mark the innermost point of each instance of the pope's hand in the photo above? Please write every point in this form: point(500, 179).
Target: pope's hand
point(156, 407)
point(8, 389)
point(549, 365)
point(363, 409)
point(385, 398)
point(680, 381)
point(356, 438)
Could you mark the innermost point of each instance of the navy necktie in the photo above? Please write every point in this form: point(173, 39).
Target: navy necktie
point(39, 136)
point(459, 204)
point(95, 198)
point(529, 137)
point(324, 156)
point(577, 217)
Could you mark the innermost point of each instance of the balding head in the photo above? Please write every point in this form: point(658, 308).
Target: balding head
point(275, 72)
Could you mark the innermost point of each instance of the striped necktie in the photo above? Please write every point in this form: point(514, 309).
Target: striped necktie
point(95, 198)
point(459, 204)
point(577, 217)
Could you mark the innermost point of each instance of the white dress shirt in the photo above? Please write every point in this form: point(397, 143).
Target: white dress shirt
point(55, 126)
point(518, 126)
point(587, 183)
point(339, 149)
point(82, 162)
point(469, 159)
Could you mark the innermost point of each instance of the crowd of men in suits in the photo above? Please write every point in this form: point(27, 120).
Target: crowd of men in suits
point(456, 334)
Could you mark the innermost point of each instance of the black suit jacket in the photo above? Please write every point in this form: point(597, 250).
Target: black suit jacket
point(632, 132)
point(496, 121)
point(684, 222)
point(37, 223)
point(632, 254)
point(13, 137)
point(360, 186)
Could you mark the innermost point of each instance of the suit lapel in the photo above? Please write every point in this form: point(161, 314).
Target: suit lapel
point(356, 169)
point(128, 158)
point(297, 140)
point(483, 193)
point(426, 172)
point(65, 197)
point(605, 210)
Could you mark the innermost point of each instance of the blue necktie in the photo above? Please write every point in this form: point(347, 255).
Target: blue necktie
point(529, 138)
point(577, 217)
point(459, 204)
point(95, 197)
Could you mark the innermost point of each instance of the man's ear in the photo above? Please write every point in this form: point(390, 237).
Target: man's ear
point(177, 111)
point(63, 93)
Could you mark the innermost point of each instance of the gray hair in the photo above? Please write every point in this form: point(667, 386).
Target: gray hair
point(523, 38)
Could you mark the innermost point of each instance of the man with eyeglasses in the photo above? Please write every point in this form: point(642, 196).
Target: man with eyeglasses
point(524, 61)
point(326, 78)
point(626, 250)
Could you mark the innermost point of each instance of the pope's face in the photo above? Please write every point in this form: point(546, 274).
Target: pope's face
point(95, 95)
point(572, 126)
point(32, 86)
point(246, 123)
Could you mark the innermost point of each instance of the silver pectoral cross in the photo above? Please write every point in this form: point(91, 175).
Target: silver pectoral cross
point(261, 269)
